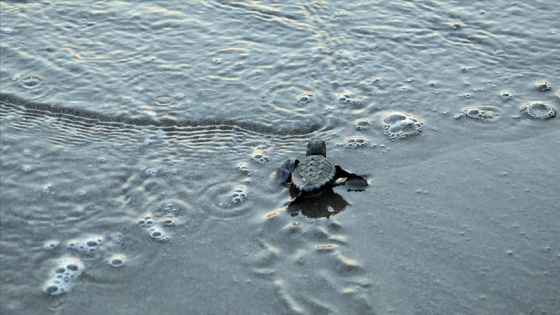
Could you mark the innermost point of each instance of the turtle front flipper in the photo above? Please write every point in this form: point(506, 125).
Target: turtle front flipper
point(284, 172)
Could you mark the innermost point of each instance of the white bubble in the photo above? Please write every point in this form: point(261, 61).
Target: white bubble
point(146, 221)
point(26, 168)
point(159, 234)
point(505, 95)
point(8, 30)
point(538, 110)
point(116, 260)
point(47, 189)
point(347, 54)
point(50, 244)
point(116, 238)
point(168, 221)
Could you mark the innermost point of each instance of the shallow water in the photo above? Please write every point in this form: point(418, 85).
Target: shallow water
point(139, 142)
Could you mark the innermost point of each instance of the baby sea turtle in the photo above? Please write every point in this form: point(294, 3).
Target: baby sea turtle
point(315, 171)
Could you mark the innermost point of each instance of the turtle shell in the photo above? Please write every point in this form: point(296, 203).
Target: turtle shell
point(313, 172)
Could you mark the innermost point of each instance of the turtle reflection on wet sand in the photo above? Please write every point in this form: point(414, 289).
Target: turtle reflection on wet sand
point(315, 174)
point(325, 205)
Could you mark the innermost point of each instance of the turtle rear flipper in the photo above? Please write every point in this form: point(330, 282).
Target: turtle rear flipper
point(346, 178)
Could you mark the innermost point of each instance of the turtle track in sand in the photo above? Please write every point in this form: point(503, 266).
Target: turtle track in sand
point(298, 255)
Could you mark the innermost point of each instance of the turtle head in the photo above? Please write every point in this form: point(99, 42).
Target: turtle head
point(316, 147)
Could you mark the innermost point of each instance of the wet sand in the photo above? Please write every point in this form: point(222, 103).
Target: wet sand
point(139, 180)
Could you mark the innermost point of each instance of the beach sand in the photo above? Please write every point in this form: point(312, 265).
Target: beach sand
point(138, 160)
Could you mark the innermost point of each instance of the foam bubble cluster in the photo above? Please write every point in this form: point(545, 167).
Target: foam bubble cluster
point(542, 86)
point(69, 267)
point(306, 97)
point(63, 275)
point(169, 222)
point(239, 194)
point(480, 112)
point(156, 224)
point(87, 245)
point(538, 110)
point(398, 125)
point(362, 124)
point(146, 221)
point(345, 98)
point(260, 156)
point(50, 244)
point(328, 110)
point(154, 229)
point(151, 171)
point(355, 142)
point(244, 168)
point(170, 210)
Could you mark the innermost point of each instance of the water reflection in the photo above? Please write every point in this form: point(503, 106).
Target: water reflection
point(323, 204)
